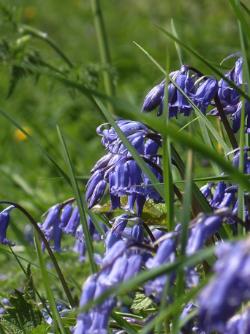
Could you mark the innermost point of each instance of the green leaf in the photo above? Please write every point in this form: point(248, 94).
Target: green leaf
point(141, 303)
point(41, 329)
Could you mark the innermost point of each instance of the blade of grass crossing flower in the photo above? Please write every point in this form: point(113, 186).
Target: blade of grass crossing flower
point(47, 286)
point(203, 119)
point(211, 128)
point(186, 212)
point(143, 277)
point(139, 160)
point(191, 142)
point(242, 33)
point(186, 216)
point(80, 203)
point(173, 309)
point(167, 174)
point(123, 323)
point(204, 61)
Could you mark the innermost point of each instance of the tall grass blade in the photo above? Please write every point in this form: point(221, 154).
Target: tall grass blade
point(104, 51)
point(167, 174)
point(80, 202)
point(47, 286)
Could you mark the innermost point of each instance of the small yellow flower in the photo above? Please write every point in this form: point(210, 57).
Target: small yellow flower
point(29, 12)
point(21, 136)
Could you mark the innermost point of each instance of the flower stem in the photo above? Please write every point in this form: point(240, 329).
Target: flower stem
point(225, 122)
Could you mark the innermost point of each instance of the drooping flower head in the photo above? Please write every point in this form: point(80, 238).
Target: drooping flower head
point(229, 288)
point(200, 89)
point(118, 170)
point(4, 223)
point(230, 98)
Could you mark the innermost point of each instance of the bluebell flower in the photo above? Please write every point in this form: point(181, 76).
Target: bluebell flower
point(205, 93)
point(238, 324)
point(73, 222)
point(229, 288)
point(4, 223)
point(120, 263)
point(64, 219)
point(65, 215)
point(118, 170)
point(154, 97)
point(165, 254)
point(231, 99)
point(138, 134)
point(201, 90)
point(80, 246)
point(191, 326)
point(224, 194)
point(202, 229)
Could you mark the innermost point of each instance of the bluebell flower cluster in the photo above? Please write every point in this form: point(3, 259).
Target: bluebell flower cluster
point(229, 288)
point(118, 171)
point(122, 261)
point(224, 194)
point(131, 245)
point(199, 89)
point(231, 99)
point(65, 220)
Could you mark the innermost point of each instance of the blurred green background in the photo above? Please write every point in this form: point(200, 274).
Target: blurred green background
point(38, 104)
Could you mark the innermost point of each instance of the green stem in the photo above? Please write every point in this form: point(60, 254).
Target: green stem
point(103, 49)
point(225, 122)
point(82, 206)
point(49, 293)
point(44, 37)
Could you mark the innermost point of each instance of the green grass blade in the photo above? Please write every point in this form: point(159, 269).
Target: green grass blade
point(104, 51)
point(189, 141)
point(123, 323)
point(243, 31)
point(80, 202)
point(47, 286)
point(25, 29)
point(167, 174)
point(173, 309)
point(187, 201)
point(143, 277)
point(186, 216)
point(178, 49)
